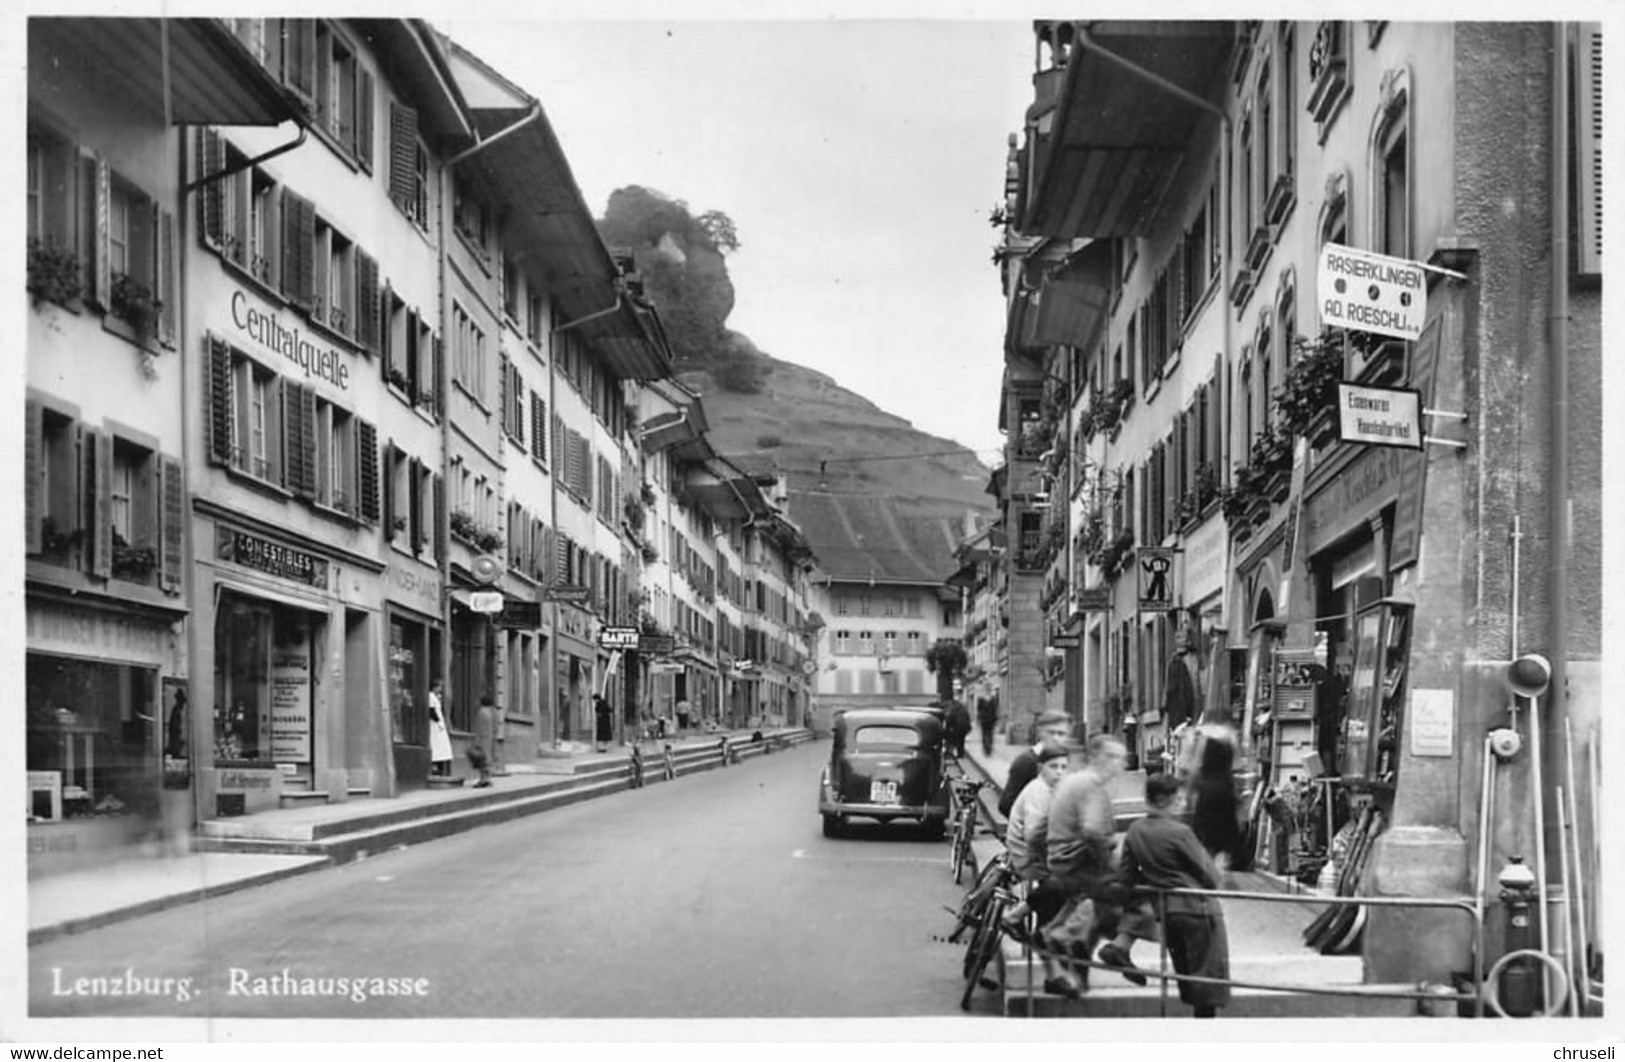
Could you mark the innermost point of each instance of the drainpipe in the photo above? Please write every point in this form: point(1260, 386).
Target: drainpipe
point(1089, 44)
point(443, 383)
point(1557, 531)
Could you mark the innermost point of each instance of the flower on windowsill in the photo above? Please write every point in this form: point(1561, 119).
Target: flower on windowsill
point(487, 539)
point(53, 273)
point(133, 302)
point(463, 525)
point(132, 562)
point(399, 379)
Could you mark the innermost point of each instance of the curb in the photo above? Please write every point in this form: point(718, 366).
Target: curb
point(41, 934)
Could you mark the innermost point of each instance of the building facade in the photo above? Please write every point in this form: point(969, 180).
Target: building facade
point(1349, 605)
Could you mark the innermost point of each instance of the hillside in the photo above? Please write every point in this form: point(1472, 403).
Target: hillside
point(773, 415)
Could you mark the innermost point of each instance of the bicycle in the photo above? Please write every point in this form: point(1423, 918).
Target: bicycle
point(984, 945)
point(964, 796)
point(998, 873)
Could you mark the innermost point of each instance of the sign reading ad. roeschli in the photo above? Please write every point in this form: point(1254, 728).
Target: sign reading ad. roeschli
point(1371, 292)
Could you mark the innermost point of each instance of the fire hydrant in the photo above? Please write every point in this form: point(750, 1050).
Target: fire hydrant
point(1520, 989)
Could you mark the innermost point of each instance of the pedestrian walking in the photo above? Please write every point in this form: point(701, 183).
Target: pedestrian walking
point(1163, 852)
point(957, 727)
point(1082, 856)
point(439, 736)
point(603, 722)
point(1213, 802)
point(485, 736)
point(1051, 726)
point(987, 717)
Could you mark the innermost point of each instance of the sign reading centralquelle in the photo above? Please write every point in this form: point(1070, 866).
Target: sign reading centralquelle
point(1371, 292)
point(1380, 416)
point(264, 327)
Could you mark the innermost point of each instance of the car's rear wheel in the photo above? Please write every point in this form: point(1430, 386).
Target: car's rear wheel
point(833, 827)
point(936, 829)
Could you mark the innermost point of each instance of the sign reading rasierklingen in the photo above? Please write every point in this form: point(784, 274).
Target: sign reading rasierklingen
point(1371, 292)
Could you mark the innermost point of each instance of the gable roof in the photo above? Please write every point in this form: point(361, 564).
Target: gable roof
point(862, 537)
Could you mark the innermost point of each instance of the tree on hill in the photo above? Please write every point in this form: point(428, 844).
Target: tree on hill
point(685, 276)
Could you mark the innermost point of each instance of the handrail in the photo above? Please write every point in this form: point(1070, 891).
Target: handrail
point(1467, 905)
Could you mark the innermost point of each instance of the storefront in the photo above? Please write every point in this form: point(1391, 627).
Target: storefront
point(285, 692)
point(105, 713)
point(412, 662)
point(574, 682)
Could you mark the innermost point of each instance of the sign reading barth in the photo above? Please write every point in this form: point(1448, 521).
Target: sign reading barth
point(1371, 292)
point(1380, 416)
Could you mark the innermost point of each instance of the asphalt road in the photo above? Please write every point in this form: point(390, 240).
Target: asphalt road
point(715, 896)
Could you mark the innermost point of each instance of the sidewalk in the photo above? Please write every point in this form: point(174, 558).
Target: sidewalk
point(80, 900)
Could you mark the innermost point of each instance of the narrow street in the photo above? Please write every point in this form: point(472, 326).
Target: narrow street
point(713, 897)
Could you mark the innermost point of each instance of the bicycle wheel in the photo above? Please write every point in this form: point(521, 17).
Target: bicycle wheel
point(961, 852)
point(983, 948)
point(978, 895)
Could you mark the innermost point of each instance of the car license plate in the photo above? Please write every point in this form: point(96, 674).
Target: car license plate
point(882, 792)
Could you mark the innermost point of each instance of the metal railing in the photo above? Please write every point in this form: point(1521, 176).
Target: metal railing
point(1467, 905)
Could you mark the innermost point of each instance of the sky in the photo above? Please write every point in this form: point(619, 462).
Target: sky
point(858, 158)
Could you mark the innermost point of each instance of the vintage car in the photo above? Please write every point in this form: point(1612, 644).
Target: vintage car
point(885, 764)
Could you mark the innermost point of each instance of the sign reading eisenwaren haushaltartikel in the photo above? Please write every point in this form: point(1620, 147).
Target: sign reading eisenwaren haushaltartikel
point(1371, 292)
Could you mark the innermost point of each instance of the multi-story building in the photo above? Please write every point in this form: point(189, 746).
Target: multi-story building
point(112, 595)
point(1230, 551)
point(881, 591)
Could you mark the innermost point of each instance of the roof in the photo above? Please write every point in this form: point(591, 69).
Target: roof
point(866, 537)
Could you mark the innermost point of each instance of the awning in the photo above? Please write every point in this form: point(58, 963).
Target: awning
point(212, 78)
point(1115, 138)
point(1073, 301)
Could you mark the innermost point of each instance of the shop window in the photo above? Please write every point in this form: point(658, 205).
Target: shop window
point(91, 739)
point(473, 665)
point(414, 663)
point(263, 682)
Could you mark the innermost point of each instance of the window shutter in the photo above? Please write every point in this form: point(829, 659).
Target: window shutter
point(559, 463)
point(363, 115)
point(1588, 148)
point(99, 451)
point(164, 274)
point(504, 382)
point(327, 104)
point(303, 442)
point(305, 237)
point(217, 397)
point(517, 396)
point(367, 314)
point(439, 517)
point(293, 433)
point(212, 196)
point(403, 154)
point(367, 474)
point(33, 476)
point(102, 278)
point(272, 43)
point(290, 244)
point(389, 501)
point(172, 517)
point(300, 55)
point(439, 374)
point(538, 426)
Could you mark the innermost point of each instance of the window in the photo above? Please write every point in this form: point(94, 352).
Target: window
point(334, 289)
point(282, 433)
point(468, 356)
point(510, 288)
point(408, 165)
point(1329, 73)
point(344, 94)
point(538, 427)
point(915, 643)
point(533, 317)
point(1393, 189)
point(471, 218)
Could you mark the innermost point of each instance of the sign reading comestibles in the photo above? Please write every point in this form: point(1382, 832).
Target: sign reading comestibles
point(272, 558)
point(1371, 292)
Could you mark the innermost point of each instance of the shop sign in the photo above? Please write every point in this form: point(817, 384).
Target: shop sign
point(290, 704)
point(251, 551)
point(523, 615)
point(1353, 495)
point(415, 583)
point(1433, 723)
point(1379, 416)
point(488, 602)
point(566, 595)
point(74, 630)
point(617, 637)
point(656, 643)
point(1094, 599)
point(1371, 292)
point(1154, 566)
point(321, 361)
point(1203, 566)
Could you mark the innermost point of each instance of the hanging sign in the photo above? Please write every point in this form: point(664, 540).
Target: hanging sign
point(1155, 565)
point(1371, 292)
point(487, 601)
point(1380, 416)
point(1093, 599)
point(618, 637)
